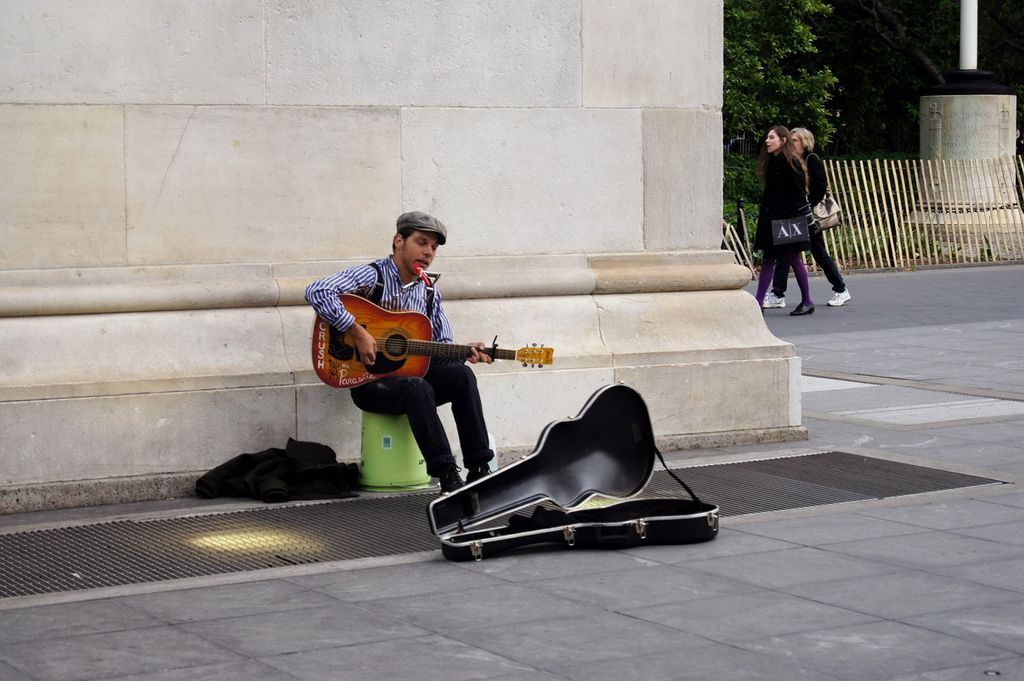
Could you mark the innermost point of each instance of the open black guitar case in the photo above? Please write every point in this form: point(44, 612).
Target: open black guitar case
point(605, 453)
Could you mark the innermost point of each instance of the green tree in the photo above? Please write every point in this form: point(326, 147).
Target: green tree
point(769, 77)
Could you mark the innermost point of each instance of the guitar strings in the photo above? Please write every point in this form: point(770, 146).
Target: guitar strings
point(446, 349)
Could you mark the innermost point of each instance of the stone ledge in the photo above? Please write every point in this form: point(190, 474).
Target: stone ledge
point(79, 493)
point(736, 438)
point(162, 288)
point(136, 353)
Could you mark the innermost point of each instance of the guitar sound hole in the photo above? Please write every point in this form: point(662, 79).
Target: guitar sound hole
point(396, 345)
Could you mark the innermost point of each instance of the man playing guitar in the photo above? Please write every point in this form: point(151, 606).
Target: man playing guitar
point(399, 282)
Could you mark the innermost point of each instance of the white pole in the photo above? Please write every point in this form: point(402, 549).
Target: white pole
point(968, 35)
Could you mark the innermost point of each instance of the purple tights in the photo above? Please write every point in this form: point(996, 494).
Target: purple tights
point(796, 261)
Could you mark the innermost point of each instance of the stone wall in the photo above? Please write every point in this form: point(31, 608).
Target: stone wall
point(175, 173)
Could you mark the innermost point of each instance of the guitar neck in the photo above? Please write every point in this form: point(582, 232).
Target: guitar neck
point(454, 351)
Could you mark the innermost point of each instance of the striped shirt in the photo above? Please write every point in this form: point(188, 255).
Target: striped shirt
point(360, 280)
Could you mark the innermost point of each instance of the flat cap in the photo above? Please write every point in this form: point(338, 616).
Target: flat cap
point(424, 223)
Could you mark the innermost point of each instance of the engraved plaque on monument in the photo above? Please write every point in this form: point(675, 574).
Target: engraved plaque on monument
point(968, 117)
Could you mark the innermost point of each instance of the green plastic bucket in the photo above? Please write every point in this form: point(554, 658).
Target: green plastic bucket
point(391, 461)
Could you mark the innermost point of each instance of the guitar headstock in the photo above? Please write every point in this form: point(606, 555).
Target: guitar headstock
point(535, 355)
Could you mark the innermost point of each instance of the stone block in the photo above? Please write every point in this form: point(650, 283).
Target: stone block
point(328, 415)
point(100, 290)
point(110, 354)
point(61, 186)
point(678, 350)
point(656, 53)
point(235, 184)
point(701, 326)
point(127, 435)
point(552, 180)
point(682, 179)
point(132, 51)
point(487, 53)
point(747, 395)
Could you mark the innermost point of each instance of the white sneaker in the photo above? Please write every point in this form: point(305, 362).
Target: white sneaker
point(840, 298)
point(772, 300)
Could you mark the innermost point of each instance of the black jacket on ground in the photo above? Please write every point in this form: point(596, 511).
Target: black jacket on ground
point(302, 470)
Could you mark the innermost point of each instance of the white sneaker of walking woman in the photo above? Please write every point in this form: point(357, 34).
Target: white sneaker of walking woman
point(839, 298)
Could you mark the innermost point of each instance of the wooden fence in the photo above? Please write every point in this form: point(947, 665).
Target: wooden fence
point(911, 213)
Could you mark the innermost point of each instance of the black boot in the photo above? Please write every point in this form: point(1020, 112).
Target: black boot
point(450, 480)
point(477, 472)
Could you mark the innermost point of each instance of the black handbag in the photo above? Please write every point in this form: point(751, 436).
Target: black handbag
point(791, 230)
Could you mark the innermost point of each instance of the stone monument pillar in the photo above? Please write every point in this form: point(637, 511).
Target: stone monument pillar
point(969, 120)
point(970, 116)
point(165, 209)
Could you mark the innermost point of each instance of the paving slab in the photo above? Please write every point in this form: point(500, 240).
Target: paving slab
point(397, 581)
point(709, 661)
point(292, 631)
point(778, 569)
point(928, 550)
point(227, 601)
point(876, 650)
point(97, 656)
point(995, 624)
point(71, 619)
point(604, 636)
point(821, 530)
point(429, 658)
point(479, 608)
point(1004, 574)
point(1010, 668)
point(729, 619)
point(620, 591)
point(949, 515)
point(899, 595)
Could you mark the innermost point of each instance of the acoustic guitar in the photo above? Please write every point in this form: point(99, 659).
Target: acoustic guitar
point(404, 346)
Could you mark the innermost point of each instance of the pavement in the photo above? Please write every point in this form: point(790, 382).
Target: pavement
point(920, 367)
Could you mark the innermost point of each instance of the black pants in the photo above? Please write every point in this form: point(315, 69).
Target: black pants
point(419, 398)
point(824, 260)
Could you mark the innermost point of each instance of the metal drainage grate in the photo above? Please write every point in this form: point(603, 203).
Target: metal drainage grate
point(141, 551)
point(808, 480)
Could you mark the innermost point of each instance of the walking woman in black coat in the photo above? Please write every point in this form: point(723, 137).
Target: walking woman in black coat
point(783, 174)
point(802, 141)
